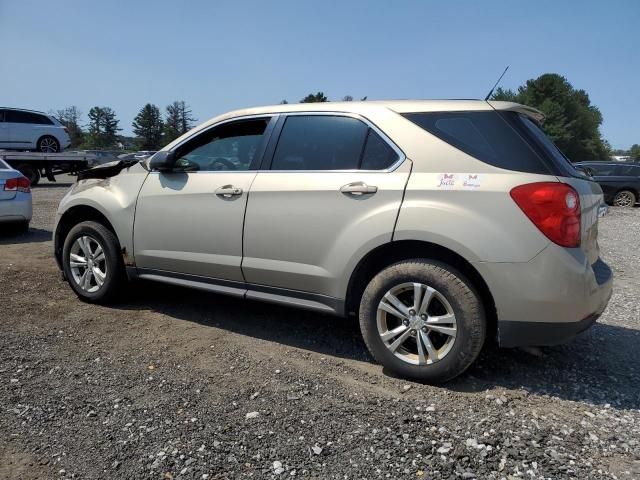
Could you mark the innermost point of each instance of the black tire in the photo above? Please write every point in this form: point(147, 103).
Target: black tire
point(48, 144)
point(625, 199)
point(463, 299)
point(115, 273)
point(29, 171)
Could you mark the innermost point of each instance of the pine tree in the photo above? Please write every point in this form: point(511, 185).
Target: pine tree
point(148, 126)
point(103, 128)
point(178, 120)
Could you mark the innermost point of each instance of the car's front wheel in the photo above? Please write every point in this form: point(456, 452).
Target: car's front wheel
point(422, 319)
point(92, 263)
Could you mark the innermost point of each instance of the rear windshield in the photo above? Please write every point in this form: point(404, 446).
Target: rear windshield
point(506, 140)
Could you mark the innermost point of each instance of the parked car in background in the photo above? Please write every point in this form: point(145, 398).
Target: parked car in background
point(437, 223)
point(620, 182)
point(15, 198)
point(31, 130)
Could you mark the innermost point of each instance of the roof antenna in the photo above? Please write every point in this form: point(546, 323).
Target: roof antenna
point(496, 84)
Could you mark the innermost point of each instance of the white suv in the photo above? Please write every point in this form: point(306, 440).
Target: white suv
point(30, 130)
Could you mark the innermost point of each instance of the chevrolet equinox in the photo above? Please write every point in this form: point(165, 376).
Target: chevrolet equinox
point(437, 223)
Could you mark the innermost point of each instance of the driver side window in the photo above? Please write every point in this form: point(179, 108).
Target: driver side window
point(229, 147)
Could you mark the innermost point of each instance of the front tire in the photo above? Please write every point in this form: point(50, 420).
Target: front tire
point(422, 319)
point(92, 263)
point(625, 198)
point(48, 144)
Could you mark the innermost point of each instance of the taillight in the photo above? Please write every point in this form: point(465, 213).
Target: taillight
point(552, 207)
point(20, 184)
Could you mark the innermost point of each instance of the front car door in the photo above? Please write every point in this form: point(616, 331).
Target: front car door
point(330, 191)
point(188, 222)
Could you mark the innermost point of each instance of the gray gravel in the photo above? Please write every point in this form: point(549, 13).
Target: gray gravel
point(173, 383)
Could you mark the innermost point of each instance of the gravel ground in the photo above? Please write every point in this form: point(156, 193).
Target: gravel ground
point(173, 383)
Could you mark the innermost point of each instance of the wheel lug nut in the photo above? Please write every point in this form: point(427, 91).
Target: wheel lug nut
point(413, 332)
point(412, 312)
point(423, 316)
point(424, 329)
point(406, 323)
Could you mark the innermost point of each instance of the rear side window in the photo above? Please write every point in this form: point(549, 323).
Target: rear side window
point(17, 116)
point(378, 154)
point(319, 142)
point(485, 135)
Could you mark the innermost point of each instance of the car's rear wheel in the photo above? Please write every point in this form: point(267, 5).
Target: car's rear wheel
point(48, 144)
point(422, 319)
point(91, 262)
point(624, 198)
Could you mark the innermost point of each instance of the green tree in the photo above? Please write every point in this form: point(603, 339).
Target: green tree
point(572, 122)
point(70, 118)
point(634, 152)
point(178, 120)
point(147, 126)
point(314, 98)
point(102, 128)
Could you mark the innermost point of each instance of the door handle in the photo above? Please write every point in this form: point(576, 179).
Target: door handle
point(228, 191)
point(359, 188)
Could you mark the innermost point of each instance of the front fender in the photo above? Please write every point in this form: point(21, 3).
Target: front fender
point(115, 198)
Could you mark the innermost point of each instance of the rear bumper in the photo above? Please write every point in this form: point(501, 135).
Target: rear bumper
point(18, 209)
point(548, 300)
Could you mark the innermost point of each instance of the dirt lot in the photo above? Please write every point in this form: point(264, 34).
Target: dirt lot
point(173, 383)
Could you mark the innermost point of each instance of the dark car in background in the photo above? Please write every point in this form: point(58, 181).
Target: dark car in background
point(620, 182)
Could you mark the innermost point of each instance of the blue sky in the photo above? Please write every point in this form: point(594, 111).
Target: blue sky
point(224, 55)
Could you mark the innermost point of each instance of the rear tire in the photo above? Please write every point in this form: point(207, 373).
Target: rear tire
point(451, 318)
point(92, 262)
point(625, 198)
point(48, 144)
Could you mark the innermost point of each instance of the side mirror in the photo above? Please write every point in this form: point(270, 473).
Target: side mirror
point(162, 161)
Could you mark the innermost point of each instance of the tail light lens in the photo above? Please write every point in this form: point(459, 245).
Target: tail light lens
point(552, 207)
point(20, 184)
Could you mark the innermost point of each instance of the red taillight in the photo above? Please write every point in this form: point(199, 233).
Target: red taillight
point(20, 184)
point(552, 207)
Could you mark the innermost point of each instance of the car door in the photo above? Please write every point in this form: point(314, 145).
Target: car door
point(331, 191)
point(20, 129)
point(189, 221)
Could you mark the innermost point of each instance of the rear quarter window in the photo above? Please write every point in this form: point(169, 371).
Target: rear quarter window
point(486, 136)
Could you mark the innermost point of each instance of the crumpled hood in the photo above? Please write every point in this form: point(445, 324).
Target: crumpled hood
point(106, 170)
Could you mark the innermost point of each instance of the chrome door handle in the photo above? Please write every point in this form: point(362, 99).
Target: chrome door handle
point(359, 188)
point(228, 191)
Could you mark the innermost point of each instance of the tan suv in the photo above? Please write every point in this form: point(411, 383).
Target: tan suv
point(436, 222)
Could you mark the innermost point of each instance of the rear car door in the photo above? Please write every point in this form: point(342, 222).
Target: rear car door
point(330, 190)
point(189, 221)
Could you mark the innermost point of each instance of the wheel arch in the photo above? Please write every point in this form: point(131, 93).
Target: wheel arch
point(70, 218)
point(395, 251)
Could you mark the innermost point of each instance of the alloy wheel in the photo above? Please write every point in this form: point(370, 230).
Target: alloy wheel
point(624, 199)
point(416, 323)
point(87, 263)
point(48, 145)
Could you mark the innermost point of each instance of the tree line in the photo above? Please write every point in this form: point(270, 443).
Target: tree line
point(152, 131)
point(572, 121)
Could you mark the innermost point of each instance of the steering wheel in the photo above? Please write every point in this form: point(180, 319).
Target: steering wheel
point(221, 164)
